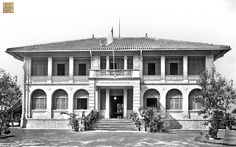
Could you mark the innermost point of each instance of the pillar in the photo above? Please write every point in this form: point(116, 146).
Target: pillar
point(71, 68)
point(185, 67)
point(49, 103)
point(107, 113)
point(91, 94)
point(163, 101)
point(185, 104)
point(49, 69)
point(136, 95)
point(209, 62)
point(70, 101)
point(96, 99)
point(163, 60)
point(107, 62)
point(125, 102)
point(125, 62)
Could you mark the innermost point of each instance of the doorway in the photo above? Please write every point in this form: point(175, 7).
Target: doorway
point(116, 107)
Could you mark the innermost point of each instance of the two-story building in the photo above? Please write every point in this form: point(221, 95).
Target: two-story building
point(114, 79)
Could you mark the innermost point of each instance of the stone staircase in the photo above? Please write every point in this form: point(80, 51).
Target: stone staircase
point(114, 124)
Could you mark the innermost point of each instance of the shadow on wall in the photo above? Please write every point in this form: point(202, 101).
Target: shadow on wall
point(170, 122)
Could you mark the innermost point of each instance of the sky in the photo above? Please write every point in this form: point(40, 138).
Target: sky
point(45, 21)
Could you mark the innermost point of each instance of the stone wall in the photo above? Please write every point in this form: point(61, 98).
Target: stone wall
point(47, 124)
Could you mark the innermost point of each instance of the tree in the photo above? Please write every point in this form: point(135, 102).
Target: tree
point(215, 96)
point(9, 89)
point(10, 93)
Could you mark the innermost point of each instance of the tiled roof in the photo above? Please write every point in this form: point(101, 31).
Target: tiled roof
point(129, 43)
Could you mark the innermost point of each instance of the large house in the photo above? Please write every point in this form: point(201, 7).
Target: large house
point(115, 79)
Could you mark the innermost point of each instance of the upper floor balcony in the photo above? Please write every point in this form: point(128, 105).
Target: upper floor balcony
point(115, 73)
point(149, 69)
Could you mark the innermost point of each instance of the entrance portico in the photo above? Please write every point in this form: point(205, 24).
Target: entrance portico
point(114, 102)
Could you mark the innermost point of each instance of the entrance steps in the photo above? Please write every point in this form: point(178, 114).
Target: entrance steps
point(115, 124)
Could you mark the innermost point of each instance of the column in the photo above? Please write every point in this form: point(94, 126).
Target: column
point(49, 69)
point(26, 83)
point(71, 68)
point(125, 102)
point(70, 101)
point(49, 103)
point(107, 113)
point(209, 63)
point(163, 101)
point(91, 102)
point(107, 62)
point(24, 102)
point(96, 99)
point(136, 95)
point(185, 104)
point(163, 60)
point(125, 62)
point(185, 67)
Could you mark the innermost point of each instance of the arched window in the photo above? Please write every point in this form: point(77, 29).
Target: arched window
point(234, 111)
point(174, 100)
point(38, 99)
point(152, 98)
point(81, 99)
point(60, 99)
point(192, 104)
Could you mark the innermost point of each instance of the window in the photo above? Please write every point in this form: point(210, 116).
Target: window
point(151, 65)
point(192, 104)
point(39, 67)
point(196, 65)
point(129, 99)
point(82, 69)
point(81, 99)
point(82, 103)
point(119, 63)
point(103, 99)
point(151, 68)
point(152, 98)
point(38, 99)
point(60, 100)
point(174, 100)
point(173, 68)
point(151, 102)
point(103, 62)
point(113, 65)
point(60, 69)
point(130, 62)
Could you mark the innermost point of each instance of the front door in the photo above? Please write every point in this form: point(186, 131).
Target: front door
point(116, 107)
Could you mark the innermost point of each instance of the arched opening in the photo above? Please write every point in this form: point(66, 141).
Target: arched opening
point(60, 99)
point(38, 98)
point(152, 98)
point(81, 99)
point(193, 105)
point(174, 100)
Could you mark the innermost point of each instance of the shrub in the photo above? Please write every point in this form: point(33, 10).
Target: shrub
point(152, 118)
point(135, 118)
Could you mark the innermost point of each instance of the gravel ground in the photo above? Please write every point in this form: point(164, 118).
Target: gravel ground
point(27, 137)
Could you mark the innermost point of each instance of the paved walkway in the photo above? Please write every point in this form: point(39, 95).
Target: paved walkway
point(26, 137)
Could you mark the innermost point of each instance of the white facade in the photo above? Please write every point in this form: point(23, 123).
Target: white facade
point(140, 78)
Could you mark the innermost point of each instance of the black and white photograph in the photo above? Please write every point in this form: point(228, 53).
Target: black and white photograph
point(118, 73)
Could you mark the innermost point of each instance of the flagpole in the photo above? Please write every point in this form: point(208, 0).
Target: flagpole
point(113, 52)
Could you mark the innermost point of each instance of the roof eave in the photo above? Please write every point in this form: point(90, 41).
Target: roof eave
point(16, 55)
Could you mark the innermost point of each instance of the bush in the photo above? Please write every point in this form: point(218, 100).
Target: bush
point(152, 118)
point(135, 118)
point(92, 117)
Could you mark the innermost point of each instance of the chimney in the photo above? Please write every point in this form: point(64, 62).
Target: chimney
point(146, 35)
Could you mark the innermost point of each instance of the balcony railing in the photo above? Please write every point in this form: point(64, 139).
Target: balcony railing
point(119, 73)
